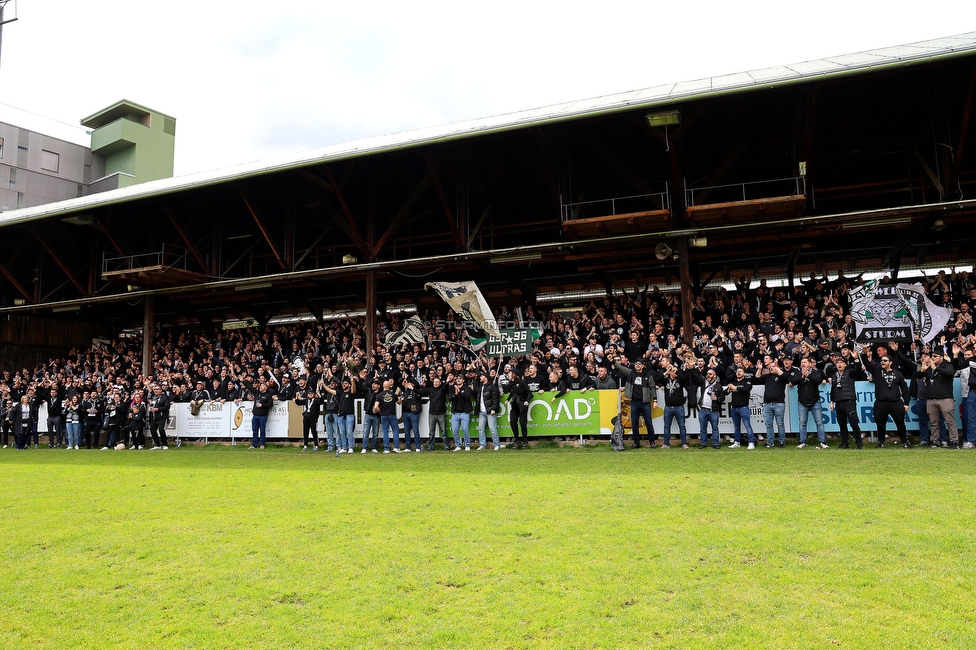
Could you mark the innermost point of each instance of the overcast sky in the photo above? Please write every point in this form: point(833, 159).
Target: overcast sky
point(249, 80)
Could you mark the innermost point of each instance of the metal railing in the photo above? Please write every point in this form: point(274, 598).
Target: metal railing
point(168, 257)
point(794, 185)
point(614, 206)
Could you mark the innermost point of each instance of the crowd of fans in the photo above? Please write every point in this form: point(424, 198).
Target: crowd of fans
point(101, 397)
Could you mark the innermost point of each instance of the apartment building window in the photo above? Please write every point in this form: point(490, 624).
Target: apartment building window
point(50, 161)
point(1, 147)
point(20, 200)
point(22, 156)
point(13, 177)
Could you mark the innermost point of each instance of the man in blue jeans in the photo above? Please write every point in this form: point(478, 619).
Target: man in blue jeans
point(674, 380)
point(487, 404)
point(371, 421)
point(969, 402)
point(741, 391)
point(640, 389)
point(263, 402)
point(708, 409)
point(385, 407)
point(461, 413)
point(410, 399)
point(808, 401)
point(773, 376)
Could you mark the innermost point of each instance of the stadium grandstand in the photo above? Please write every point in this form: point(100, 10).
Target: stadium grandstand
point(859, 162)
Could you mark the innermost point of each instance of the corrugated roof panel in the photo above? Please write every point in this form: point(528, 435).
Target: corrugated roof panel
point(654, 93)
point(727, 81)
point(860, 60)
point(685, 88)
point(779, 73)
point(816, 68)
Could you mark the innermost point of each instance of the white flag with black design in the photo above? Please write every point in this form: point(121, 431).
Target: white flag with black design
point(465, 299)
point(927, 319)
point(411, 334)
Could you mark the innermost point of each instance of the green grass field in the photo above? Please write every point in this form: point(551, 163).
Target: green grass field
point(221, 547)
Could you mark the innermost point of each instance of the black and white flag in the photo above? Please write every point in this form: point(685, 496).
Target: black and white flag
point(927, 319)
point(412, 333)
point(465, 299)
point(895, 313)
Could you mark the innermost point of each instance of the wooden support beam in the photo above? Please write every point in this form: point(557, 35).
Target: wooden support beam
point(700, 286)
point(548, 168)
point(148, 328)
point(371, 306)
point(391, 230)
point(963, 132)
point(809, 135)
point(242, 256)
point(314, 310)
point(14, 259)
point(730, 160)
point(311, 247)
point(17, 285)
point(931, 174)
point(57, 259)
point(262, 228)
point(678, 213)
point(353, 230)
point(688, 121)
point(102, 228)
point(318, 181)
point(684, 269)
point(791, 270)
point(477, 227)
point(186, 240)
point(445, 204)
point(619, 167)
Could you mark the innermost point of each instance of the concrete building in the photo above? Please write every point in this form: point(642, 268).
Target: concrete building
point(129, 144)
point(135, 144)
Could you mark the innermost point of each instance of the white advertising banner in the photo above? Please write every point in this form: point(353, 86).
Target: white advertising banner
point(228, 420)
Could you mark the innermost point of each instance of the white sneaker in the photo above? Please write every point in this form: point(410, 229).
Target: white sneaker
point(751, 446)
point(801, 445)
point(375, 451)
point(467, 449)
point(497, 447)
point(154, 449)
point(481, 448)
point(458, 448)
point(734, 445)
point(104, 448)
point(5, 446)
point(386, 451)
point(165, 447)
point(965, 445)
point(304, 448)
point(396, 450)
point(132, 447)
point(417, 450)
point(141, 447)
point(824, 445)
point(315, 447)
point(364, 450)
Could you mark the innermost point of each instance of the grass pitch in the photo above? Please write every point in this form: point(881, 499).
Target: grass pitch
point(549, 548)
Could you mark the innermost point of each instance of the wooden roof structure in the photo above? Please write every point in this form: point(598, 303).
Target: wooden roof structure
point(856, 162)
